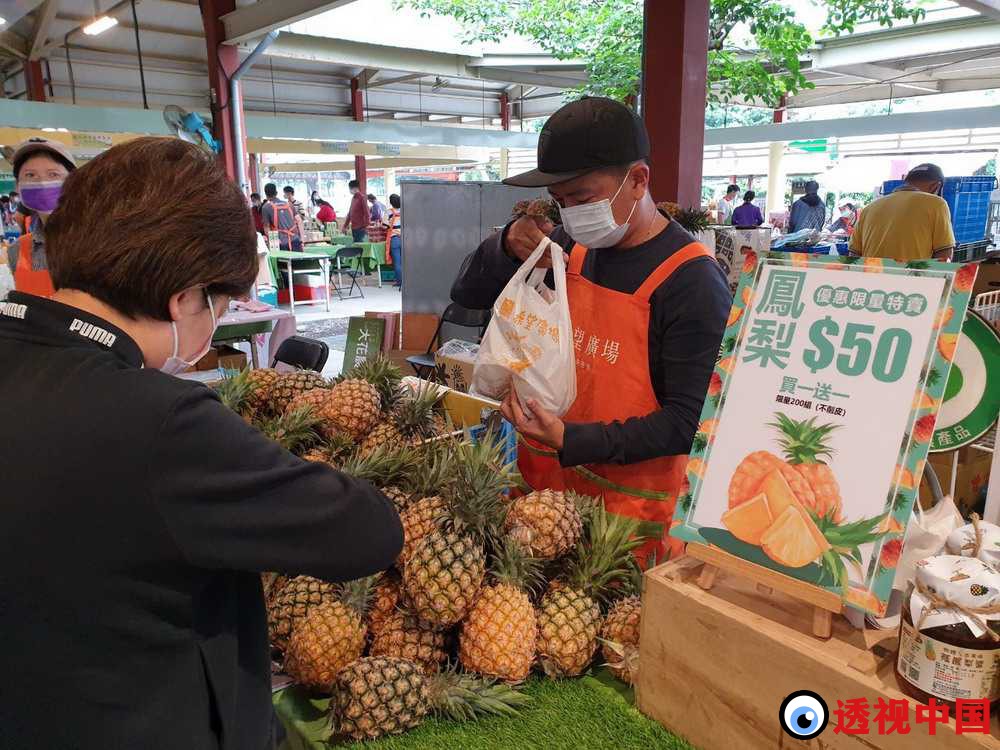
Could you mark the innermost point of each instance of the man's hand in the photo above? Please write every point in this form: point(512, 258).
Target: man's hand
point(523, 237)
point(539, 425)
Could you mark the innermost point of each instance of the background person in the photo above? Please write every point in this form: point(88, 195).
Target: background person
point(289, 193)
point(325, 213)
point(747, 214)
point(808, 212)
point(728, 204)
point(40, 168)
point(256, 209)
point(279, 216)
point(394, 238)
point(155, 523)
point(358, 215)
point(847, 219)
point(911, 223)
point(377, 209)
point(649, 305)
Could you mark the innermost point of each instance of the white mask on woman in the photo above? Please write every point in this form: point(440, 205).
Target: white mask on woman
point(593, 225)
point(175, 364)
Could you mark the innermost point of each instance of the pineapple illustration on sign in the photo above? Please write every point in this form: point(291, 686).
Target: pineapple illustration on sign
point(791, 507)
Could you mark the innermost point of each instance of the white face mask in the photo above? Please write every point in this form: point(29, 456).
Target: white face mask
point(593, 225)
point(174, 363)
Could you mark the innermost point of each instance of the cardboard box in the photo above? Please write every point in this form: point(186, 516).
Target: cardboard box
point(973, 474)
point(988, 278)
point(222, 356)
point(716, 665)
point(418, 330)
point(455, 362)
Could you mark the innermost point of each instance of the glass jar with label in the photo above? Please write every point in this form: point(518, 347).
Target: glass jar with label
point(948, 638)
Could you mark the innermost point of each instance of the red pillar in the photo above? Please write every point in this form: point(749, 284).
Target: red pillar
point(504, 111)
point(223, 60)
point(358, 112)
point(779, 113)
point(34, 81)
point(675, 63)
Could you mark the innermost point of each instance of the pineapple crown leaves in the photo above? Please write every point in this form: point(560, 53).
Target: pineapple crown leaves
point(295, 430)
point(602, 559)
point(234, 388)
point(845, 543)
point(414, 412)
point(358, 594)
point(460, 696)
point(803, 442)
point(513, 564)
point(476, 485)
point(384, 466)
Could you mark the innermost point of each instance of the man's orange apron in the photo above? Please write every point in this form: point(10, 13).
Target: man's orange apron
point(613, 383)
point(27, 279)
point(285, 236)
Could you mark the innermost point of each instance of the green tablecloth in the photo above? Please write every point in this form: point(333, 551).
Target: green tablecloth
point(372, 255)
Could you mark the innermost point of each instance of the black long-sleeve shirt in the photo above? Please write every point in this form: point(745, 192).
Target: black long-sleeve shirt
point(137, 512)
point(687, 318)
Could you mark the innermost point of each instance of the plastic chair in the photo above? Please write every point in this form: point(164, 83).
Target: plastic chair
point(349, 253)
point(302, 353)
point(456, 316)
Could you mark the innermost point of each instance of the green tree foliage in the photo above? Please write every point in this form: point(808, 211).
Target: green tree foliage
point(608, 35)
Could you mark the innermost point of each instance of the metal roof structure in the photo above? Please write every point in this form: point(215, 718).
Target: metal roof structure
point(301, 87)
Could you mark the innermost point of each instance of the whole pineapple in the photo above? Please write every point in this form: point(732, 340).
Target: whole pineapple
point(426, 508)
point(353, 407)
point(387, 599)
point(330, 636)
point(262, 381)
point(569, 615)
point(292, 603)
point(547, 522)
point(620, 638)
point(444, 570)
point(386, 377)
point(380, 695)
point(289, 385)
point(405, 635)
point(498, 637)
point(420, 518)
point(411, 422)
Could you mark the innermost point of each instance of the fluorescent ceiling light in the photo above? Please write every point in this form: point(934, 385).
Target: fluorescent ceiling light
point(100, 25)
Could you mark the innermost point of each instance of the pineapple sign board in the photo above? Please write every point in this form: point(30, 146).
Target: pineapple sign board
point(816, 427)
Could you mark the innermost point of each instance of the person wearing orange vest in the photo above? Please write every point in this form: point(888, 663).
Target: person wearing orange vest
point(40, 168)
point(648, 307)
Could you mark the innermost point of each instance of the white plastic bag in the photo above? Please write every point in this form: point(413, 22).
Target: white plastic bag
point(529, 341)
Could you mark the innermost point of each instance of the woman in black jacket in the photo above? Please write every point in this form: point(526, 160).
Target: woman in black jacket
point(137, 510)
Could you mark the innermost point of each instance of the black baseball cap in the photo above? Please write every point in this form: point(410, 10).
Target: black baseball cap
point(590, 133)
point(930, 172)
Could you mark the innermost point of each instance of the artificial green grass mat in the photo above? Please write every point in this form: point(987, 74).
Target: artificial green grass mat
point(589, 712)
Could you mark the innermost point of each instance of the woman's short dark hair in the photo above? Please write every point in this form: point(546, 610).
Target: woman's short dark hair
point(371, 197)
point(354, 184)
point(169, 219)
point(749, 195)
point(394, 201)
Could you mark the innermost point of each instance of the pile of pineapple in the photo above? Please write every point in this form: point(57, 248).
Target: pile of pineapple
point(487, 588)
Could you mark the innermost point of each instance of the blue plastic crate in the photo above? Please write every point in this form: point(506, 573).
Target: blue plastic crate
point(968, 200)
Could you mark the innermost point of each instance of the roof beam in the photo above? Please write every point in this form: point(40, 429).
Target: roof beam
point(988, 8)
point(528, 78)
point(397, 79)
point(909, 122)
point(15, 44)
point(252, 21)
point(44, 17)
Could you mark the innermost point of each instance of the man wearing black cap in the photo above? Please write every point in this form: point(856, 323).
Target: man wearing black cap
point(911, 223)
point(648, 305)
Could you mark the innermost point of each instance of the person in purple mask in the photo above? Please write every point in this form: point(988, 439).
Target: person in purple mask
point(40, 168)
